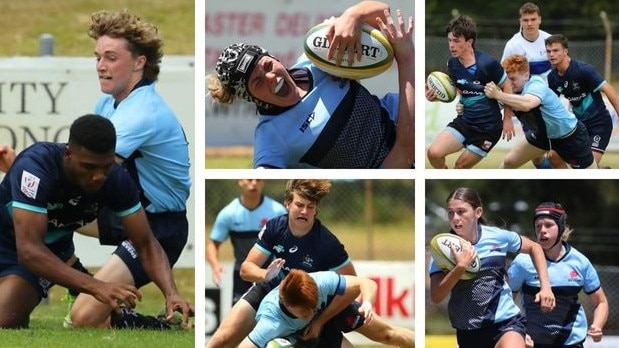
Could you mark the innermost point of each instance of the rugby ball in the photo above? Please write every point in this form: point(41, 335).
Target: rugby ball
point(376, 53)
point(279, 343)
point(443, 85)
point(440, 249)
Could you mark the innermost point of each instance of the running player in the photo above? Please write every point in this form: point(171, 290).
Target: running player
point(582, 86)
point(479, 125)
point(482, 309)
point(570, 273)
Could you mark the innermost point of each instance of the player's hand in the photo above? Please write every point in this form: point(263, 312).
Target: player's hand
point(311, 331)
point(459, 108)
point(465, 256)
point(508, 129)
point(7, 157)
point(367, 311)
point(217, 271)
point(344, 37)
point(175, 303)
point(595, 333)
point(546, 299)
point(400, 38)
point(492, 91)
point(115, 294)
point(274, 268)
point(528, 341)
point(430, 94)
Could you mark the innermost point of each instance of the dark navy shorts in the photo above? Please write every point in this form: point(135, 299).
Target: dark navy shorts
point(600, 130)
point(574, 149)
point(9, 265)
point(488, 336)
point(475, 139)
point(170, 229)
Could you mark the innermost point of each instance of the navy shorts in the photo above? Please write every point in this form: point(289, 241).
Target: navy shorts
point(600, 129)
point(488, 336)
point(9, 265)
point(574, 149)
point(475, 139)
point(170, 229)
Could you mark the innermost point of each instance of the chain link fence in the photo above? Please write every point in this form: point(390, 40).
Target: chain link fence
point(374, 219)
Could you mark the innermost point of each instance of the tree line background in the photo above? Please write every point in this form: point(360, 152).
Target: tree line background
point(578, 20)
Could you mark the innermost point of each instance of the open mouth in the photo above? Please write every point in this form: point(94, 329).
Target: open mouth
point(280, 87)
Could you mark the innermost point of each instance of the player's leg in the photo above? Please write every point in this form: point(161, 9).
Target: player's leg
point(381, 331)
point(467, 159)
point(87, 311)
point(18, 298)
point(520, 154)
point(444, 144)
point(511, 339)
point(237, 324)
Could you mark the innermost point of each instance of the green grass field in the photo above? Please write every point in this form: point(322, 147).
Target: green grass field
point(495, 157)
point(46, 323)
point(22, 22)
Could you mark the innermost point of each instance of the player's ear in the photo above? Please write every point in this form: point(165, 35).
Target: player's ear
point(478, 212)
point(140, 62)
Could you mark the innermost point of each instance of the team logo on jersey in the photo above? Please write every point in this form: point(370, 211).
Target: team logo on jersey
point(293, 249)
point(308, 262)
point(29, 184)
point(75, 201)
point(278, 248)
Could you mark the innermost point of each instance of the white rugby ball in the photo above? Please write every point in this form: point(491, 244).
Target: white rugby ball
point(279, 343)
point(376, 53)
point(443, 85)
point(440, 249)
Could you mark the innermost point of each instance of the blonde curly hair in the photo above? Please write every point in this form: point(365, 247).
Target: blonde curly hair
point(143, 37)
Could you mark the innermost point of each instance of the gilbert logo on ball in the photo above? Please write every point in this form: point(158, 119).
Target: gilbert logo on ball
point(443, 85)
point(376, 53)
point(440, 249)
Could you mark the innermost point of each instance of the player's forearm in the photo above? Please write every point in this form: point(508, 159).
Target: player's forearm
point(539, 262)
point(250, 272)
point(367, 11)
point(518, 102)
point(600, 315)
point(156, 265)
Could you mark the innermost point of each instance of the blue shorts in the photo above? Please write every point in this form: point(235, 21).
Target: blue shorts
point(9, 265)
point(488, 336)
point(170, 229)
point(477, 140)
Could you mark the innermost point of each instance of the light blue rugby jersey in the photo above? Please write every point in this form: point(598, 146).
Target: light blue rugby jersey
point(242, 225)
point(282, 140)
point(485, 299)
point(566, 324)
point(272, 322)
point(559, 121)
point(144, 122)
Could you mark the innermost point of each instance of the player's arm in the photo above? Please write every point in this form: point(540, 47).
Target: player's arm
point(508, 113)
point(600, 314)
point(611, 94)
point(251, 270)
point(524, 102)
point(212, 257)
point(403, 152)
point(155, 262)
point(7, 157)
point(30, 228)
point(442, 283)
point(544, 297)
